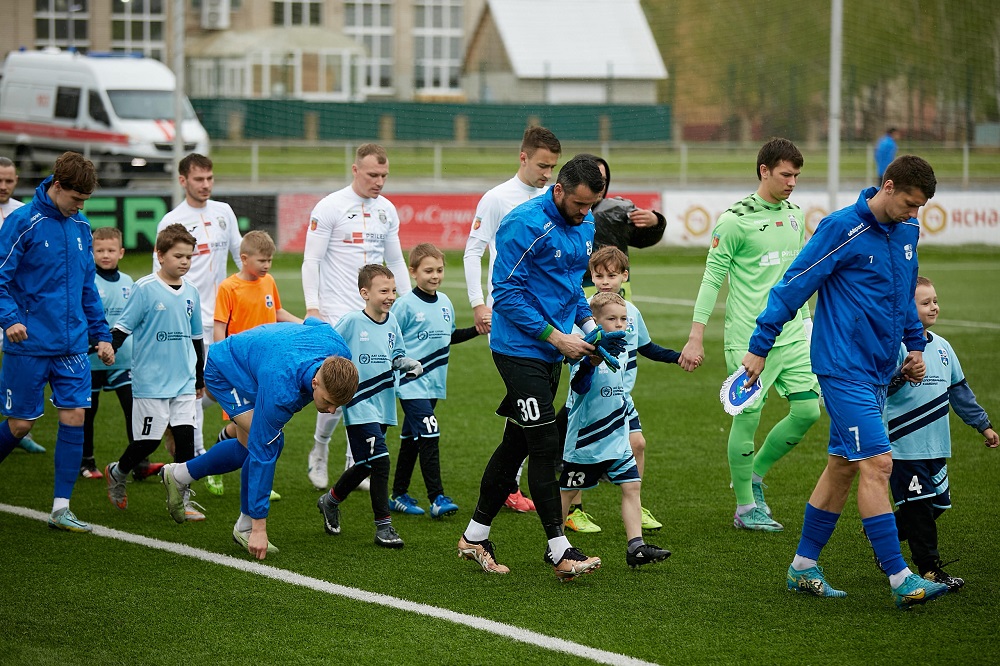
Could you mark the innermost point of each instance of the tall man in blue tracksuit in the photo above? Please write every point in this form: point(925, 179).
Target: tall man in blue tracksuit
point(261, 378)
point(50, 312)
point(863, 261)
point(543, 246)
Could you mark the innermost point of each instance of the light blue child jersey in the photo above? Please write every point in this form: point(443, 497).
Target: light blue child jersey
point(598, 427)
point(374, 347)
point(162, 322)
point(918, 415)
point(114, 295)
point(636, 336)
point(427, 329)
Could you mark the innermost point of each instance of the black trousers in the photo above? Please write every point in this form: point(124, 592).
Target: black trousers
point(916, 522)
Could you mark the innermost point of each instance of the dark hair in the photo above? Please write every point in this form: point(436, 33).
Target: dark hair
point(776, 151)
point(7, 162)
point(607, 172)
point(581, 170)
point(368, 273)
point(538, 137)
point(75, 172)
point(609, 258)
point(909, 172)
point(172, 235)
point(193, 160)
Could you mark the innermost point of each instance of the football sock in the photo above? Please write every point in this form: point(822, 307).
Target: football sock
point(476, 532)
point(7, 440)
point(741, 455)
point(574, 507)
point(896, 579)
point(379, 486)
point(197, 437)
point(69, 453)
point(744, 508)
point(116, 472)
point(817, 527)
point(409, 451)
point(517, 477)
point(182, 473)
point(633, 544)
point(59, 503)
point(757, 478)
point(325, 425)
point(881, 531)
point(185, 446)
point(225, 456)
point(244, 522)
point(558, 547)
point(803, 412)
point(800, 563)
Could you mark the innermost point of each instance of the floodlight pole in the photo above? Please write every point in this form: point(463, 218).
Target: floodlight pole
point(178, 59)
point(833, 142)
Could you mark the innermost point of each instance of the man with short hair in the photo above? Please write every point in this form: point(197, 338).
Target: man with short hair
point(216, 230)
point(540, 150)
point(752, 244)
point(50, 310)
point(349, 228)
point(543, 247)
point(862, 260)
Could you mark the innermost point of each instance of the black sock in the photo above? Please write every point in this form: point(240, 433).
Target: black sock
point(633, 544)
point(574, 507)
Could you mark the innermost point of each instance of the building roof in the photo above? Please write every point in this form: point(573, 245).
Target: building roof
point(237, 43)
point(577, 39)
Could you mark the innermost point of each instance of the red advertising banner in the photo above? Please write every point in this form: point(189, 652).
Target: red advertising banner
point(441, 219)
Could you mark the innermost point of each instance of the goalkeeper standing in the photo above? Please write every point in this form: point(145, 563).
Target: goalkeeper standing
point(752, 244)
point(543, 246)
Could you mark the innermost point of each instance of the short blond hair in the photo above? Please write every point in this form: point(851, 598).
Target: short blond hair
point(257, 243)
point(603, 299)
point(366, 149)
point(339, 378)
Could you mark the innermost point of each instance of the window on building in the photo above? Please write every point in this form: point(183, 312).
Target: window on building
point(62, 23)
point(437, 55)
point(370, 22)
point(297, 12)
point(138, 26)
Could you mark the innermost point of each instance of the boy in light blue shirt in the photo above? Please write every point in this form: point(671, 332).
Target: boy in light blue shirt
point(163, 316)
point(920, 437)
point(427, 319)
point(597, 435)
point(376, 344)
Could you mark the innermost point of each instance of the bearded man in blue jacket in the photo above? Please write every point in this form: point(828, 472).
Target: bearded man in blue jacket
point(51, 312)
point(863, 262)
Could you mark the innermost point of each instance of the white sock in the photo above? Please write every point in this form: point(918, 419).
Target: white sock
point(558, 548)
point(244, 523)
point(896, 579)
point(743, 508)
point(802, 563)
point(756, 478)
point(181, 474)
point(60, 503)
point(518, 477)
point(477, 531)
point(116, 473)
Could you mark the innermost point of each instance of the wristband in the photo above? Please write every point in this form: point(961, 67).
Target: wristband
point(547, 332)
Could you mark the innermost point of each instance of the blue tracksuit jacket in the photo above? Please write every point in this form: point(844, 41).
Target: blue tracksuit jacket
point(866, 273)
point(537, 278)
point(47, 280)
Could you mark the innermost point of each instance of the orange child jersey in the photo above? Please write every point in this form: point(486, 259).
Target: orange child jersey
point(242, 304)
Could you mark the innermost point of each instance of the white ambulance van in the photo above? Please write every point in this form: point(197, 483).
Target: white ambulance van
point(117, 109)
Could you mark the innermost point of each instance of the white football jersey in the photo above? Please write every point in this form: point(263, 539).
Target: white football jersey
point(217, 234)
point(492, 208)
point(347, 231)
point(8, 208)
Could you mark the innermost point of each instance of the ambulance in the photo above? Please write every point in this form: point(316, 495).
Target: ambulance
point(117, 109)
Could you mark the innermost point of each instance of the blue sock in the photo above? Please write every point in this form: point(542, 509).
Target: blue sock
point(7, 440)
point(224, 456)
point(881, 531)
point(816, 530)
point(69, 455)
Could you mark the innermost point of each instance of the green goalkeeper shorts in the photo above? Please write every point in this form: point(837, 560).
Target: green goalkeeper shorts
point(788, 369)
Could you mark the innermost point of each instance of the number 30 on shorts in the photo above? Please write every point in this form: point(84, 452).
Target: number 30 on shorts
point(529, 409)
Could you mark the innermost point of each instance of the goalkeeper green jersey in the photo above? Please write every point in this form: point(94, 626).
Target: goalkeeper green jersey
point(752, 243)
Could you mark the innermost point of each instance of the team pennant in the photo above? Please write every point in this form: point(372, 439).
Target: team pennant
point(735, 396)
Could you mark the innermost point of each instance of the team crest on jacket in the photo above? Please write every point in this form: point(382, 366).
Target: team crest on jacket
point(590, 248)
point(478, 222)
point(79, 243)
point(392, 340)
point(268, 300)
point(944, 356)
point(189, 306)
point(382, 217)
point(908, 249)
point(446, 313)
point(125, 292)
point(793, 222)
point(312, 224)
point(222, 222)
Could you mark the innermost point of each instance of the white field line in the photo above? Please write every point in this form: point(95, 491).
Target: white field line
point(250, 566)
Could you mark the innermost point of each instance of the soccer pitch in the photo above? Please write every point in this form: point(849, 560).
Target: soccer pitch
point(146, 590)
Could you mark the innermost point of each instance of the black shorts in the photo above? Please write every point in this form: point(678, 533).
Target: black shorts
point(531, 389)
point(913, 480)
point(419, 419)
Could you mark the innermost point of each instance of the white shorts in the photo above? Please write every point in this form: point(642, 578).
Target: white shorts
point(151, 416)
